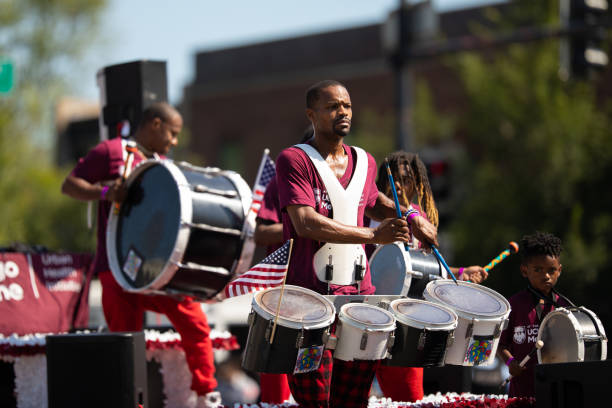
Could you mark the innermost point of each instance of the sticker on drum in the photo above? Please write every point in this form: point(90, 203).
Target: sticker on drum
point(363, 332)
point(304, 322)
point(572, 334)
point(482, 315)
point(424, 330)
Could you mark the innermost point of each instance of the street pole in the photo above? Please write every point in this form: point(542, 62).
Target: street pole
point(403, 84)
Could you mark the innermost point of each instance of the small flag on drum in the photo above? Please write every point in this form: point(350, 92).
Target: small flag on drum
point(268, 273)
point(267, 173)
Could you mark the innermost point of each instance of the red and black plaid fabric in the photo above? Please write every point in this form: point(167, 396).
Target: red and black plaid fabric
point(335, 384)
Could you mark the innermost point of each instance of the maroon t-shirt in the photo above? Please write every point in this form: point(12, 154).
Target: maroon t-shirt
point(299, 184)
point(521, 335)
point(103, 163)
point(270, 210)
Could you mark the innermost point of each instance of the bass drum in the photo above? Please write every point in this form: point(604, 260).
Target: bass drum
point(179, 231)
point(396, 271)
point(570, 335)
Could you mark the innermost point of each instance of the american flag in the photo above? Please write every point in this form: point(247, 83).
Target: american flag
point(268, 273)
point(267, 173)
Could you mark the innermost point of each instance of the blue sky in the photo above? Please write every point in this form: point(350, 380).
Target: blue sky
point(175, 30)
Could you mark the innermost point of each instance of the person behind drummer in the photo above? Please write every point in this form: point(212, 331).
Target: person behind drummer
point(540, 264)
point(413, 190)
point(308, 218)
point(98, 176)
point(269, 233)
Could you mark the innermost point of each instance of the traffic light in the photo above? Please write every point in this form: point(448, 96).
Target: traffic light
point(581, 51)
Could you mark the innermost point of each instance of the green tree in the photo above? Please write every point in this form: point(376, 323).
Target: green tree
point(46, 40)
point(537, 156)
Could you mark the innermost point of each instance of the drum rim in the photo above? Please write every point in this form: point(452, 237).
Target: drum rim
point(418, 324)
point(260, 310)
point(568, 311)
point(384, 327)
point(182, 239)
point(407, 260)
point(464, 313)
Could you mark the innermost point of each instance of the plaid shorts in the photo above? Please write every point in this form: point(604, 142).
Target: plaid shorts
point(348, 386)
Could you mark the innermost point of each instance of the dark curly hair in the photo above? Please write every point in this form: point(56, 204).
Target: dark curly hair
point(540, 243)
point(416, 177)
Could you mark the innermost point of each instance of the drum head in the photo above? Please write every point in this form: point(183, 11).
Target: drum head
point(558, 333)
point(364, 316)
point(422, 314)
point(467, 298)
point(388, 267)
point(144, 236)
point(299, 307)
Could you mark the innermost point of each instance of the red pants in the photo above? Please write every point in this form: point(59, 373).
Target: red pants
point(403, 384)
point(124, 311)
point(274, 388)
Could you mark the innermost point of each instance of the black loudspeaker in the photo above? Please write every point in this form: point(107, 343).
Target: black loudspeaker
point(76, 141)
point(99, 370)
point(573, 385)
point(130, 88)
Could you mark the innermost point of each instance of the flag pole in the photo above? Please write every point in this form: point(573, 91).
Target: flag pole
point(280, 298)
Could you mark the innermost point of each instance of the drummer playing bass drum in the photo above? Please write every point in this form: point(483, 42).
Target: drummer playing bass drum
point(98, 176)
point(411, 184)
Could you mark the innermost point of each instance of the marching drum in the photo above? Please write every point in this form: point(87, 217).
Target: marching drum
point(396, 271)
point(572, 334)
point(179, 229)
point(303, 325)
point(424, 330)
point(363, 332)
point(482, 315)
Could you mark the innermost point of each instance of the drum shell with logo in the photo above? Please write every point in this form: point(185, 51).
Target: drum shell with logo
point(291, 333)
point(179, 231)
point(572, 334)
point(363, 332)
point(422, 334)
point(396, 271)
point(482, 316)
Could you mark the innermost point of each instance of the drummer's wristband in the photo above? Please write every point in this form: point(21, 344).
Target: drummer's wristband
point(103, 192)
point(410, 214)
point(460, 272)
point(509, 361)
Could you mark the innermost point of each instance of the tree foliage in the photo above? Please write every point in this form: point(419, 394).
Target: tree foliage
point(537, 156)
point(45, 40)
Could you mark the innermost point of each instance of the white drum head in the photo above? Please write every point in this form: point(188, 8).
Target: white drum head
point(467, 298)
point(422, 314)
point(559, 331)
point(300, 307)
point(365, 316)
point(388, 266)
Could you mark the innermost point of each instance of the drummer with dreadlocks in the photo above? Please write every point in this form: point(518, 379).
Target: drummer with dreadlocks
point(413, 190)
point(540, 264)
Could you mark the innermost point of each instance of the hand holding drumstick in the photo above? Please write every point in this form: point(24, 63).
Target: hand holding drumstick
point(517, 369)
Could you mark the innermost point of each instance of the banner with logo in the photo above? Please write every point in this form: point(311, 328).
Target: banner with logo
point(43, 293)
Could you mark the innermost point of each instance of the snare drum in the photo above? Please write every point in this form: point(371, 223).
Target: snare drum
point(363, 332)
point(179, 229)
point(570, 335)
point(424, 331)
point(396, 271)
point(482, 315)
point(303, 324)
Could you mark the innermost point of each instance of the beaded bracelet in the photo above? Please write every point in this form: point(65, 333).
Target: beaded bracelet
point(410, 214)
point(460, 272)
point(103, 192)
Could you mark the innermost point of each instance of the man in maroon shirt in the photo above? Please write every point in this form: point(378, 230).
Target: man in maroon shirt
point(98, 176)
point(541, 266)
point(309, 219)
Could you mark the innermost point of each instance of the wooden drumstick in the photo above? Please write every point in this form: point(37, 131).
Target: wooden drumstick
point(131, 149)
point(512, 248)
point(280, 297)
point(539, 344)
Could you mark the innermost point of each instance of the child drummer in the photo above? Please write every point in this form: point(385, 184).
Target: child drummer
point(541, 265)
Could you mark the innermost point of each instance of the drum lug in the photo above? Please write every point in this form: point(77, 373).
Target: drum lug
point(250, 318)
point(422, 339)
point(498, 330)
point(470, 329)
point(391, 341)
point(329, 340)
point(451, 339)
point(300, 339)
point(364, 341)
point(268, 330)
